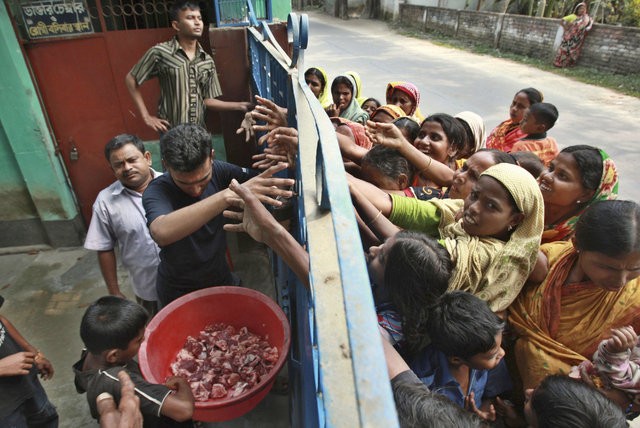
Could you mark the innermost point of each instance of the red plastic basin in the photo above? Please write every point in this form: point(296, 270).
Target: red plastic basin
point(188, 315)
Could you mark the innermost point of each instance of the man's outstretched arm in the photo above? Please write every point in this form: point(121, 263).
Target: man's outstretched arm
point(263, 227)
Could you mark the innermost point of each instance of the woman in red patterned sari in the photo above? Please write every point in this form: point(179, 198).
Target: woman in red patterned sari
point(575, 27)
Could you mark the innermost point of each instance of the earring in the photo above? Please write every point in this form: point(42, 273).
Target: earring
point(510, 228)
point(578, 201)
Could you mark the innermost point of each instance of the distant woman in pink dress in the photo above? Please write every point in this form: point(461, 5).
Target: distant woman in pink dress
point(575, 27)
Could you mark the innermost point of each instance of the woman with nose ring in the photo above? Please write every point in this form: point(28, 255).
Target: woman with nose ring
point(579, 176)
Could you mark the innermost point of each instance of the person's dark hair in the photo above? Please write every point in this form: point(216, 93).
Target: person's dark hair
point(453, 129)
point(389, 162)
point(589, 163)
point(318, 74)
point(499, 156)
point(185, 147)
point(529, 161)
point(561, 401)
point(533, 95)
point(411, 126)
point(111, 323)
point(416, 274)
point(419, 407)
point(371, 99)
point(120, 141)
point(179, 5)
point(609, 227)
point(462, 325)
point(545, 113)
point(345, 81)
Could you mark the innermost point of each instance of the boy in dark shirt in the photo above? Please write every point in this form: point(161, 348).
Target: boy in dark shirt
point(112, 329)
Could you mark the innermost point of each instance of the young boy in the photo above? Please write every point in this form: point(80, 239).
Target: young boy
point(466, 338)
point(537, 120)
point(112, 330)
point(23, 401)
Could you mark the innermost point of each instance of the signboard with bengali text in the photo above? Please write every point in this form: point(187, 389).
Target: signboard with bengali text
point(56, 18)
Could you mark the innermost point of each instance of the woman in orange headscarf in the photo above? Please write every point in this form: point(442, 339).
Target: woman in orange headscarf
point(406, 96)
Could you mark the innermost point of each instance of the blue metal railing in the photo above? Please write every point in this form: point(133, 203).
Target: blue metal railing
point(337, 371)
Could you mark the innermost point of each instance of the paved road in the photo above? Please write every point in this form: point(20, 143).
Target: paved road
point(452, 80)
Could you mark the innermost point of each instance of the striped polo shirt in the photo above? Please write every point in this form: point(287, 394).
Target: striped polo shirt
point(184, 83)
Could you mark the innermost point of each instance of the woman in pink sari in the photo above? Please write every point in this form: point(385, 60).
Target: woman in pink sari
point(575, 27)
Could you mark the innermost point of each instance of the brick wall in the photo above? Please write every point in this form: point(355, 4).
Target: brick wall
point(613, 48)
point(480, 26)
point(412, 16)
point(608, 48)
point(528, 36)
point(444, 21)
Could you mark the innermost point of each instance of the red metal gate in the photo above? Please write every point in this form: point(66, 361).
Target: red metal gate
point(81, 83)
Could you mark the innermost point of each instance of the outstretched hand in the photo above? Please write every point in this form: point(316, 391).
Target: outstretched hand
point(385, 134)
point(246, 126)
point(268, 158)
point(265, 110)
point(272, 114)
point(282, 146)
point(253, 217)
point(267, 188)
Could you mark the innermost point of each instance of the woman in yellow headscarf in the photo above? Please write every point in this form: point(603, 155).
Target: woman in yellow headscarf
point(589, 286)
point(316, 78)
point(492, 236)
point(357, 93)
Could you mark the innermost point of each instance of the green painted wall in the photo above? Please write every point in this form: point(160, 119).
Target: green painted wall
point(280, 9)
point(32, 179)
point(16, 202)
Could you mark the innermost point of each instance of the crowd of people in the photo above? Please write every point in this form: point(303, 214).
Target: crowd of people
point(504, 271)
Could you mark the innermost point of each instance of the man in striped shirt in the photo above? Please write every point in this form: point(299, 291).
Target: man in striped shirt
point(186, 73)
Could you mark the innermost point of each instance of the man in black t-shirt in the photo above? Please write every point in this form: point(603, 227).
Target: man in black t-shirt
point(184, 207)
